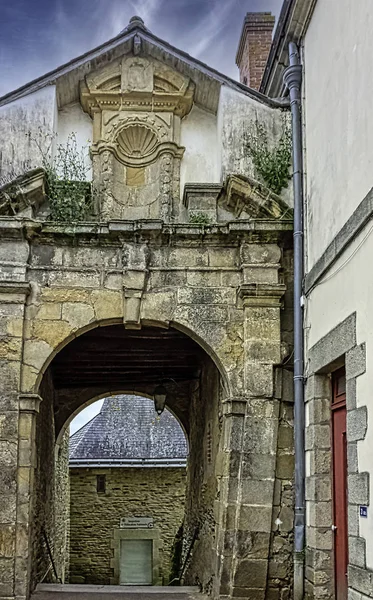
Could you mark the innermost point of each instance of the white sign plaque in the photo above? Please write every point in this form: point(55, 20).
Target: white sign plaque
point(137, 523)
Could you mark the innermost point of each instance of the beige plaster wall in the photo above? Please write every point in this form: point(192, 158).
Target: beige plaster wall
point(29, 114)
point(72, 119)
point(147, 492)
point(344, 290)
point(199, 136)
point(238, 113)
point(338, 47)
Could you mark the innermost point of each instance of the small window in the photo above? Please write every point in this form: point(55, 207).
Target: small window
point(101, 484)
point(339, 386)
point(245, 80)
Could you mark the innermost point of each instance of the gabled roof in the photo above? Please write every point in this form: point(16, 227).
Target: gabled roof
point(127, 432)
point(135, 35)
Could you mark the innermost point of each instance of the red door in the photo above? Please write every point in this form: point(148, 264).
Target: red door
point(340, 483)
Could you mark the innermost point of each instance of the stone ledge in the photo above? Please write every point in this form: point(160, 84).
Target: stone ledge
point(234, 407)
point(262, 294)
point(29, 403)
point(15, 287)
point(254, 230)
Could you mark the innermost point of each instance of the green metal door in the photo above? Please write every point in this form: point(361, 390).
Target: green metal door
point(136, 562)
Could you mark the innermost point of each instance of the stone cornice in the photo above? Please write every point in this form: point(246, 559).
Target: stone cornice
point(262, 294)
point(15, 287)
point(115, 232)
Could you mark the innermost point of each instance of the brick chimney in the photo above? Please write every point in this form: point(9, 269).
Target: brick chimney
point(254, 47)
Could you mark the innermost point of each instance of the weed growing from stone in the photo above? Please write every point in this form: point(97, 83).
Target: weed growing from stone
point(199, 219)
point(271, 161)
point(66, 170)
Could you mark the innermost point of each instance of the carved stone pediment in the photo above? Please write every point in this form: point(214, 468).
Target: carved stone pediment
point(137, 104)
point(25, 192)
point(139, 83)
point(247, 198)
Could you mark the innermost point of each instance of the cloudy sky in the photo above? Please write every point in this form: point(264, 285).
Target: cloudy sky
point(39, 35)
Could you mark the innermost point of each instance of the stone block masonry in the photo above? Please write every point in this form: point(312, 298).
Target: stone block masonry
point(149, 492)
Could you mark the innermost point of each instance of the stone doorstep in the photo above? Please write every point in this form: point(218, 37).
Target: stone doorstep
point(98, 592)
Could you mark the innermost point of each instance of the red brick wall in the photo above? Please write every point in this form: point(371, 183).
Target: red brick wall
point(253, 50)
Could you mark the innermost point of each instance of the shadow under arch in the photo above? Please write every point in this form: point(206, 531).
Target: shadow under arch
point(105, 358)
point(143, 323)
point(111, 394)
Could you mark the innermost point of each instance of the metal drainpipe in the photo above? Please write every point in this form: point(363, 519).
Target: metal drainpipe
point(293, 81)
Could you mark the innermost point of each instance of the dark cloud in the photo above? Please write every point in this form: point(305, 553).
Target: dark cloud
point(39, 35)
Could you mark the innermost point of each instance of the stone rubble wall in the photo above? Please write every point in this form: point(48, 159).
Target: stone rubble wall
point(151, 492)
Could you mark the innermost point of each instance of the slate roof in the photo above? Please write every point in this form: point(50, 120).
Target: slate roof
point(127, 432)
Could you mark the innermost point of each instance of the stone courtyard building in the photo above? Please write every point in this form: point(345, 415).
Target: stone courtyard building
point(170, 264)
point(127, 494)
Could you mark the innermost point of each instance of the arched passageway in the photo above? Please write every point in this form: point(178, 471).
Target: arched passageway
point(127, 471)
point(101, 362)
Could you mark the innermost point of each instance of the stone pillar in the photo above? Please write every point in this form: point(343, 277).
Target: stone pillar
point(227, 508)
point(28, 409)
point(12, 305)
point(250, 428)
point(259, 438)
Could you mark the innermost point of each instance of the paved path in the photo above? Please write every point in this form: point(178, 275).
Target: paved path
point(114, 592)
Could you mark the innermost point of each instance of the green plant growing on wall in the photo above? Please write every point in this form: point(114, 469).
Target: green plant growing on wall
point(199, 219)
point(66, 169)
point(271, 161)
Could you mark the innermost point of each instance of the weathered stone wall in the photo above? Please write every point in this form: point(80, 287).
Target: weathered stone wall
point(62, 508)
point(150, 492)
point(51, 496)
point(44, 485)
point(280, 569)
point(221, 286)
point(15, 432)
point(202, 486)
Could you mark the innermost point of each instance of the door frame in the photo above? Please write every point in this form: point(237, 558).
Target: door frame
point(338, 403)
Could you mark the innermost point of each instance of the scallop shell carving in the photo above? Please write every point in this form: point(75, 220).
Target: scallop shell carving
point(137, 141)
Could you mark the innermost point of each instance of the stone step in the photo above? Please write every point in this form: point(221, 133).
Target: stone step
point(46, 591)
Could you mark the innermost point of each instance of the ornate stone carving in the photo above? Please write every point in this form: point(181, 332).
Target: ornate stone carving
point(136, 104)
point(137, 83)
point(136, 141)
point(137, 75)
point(166, 186)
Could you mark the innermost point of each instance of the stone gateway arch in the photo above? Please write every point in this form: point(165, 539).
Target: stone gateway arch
point(179, 272)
